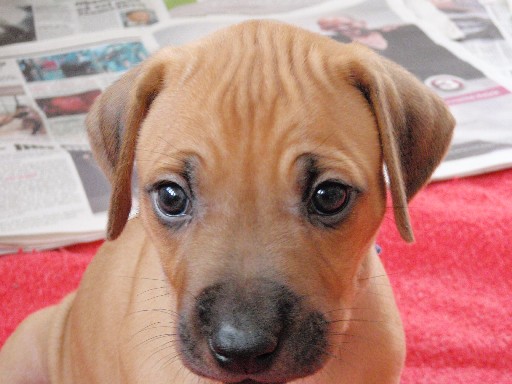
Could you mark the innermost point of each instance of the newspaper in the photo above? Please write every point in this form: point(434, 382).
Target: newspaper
point(483, 27)
point(53, 193)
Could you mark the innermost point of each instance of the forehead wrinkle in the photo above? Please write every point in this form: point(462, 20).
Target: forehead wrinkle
point(254, 71)
point(342, 159)
point(343, 166)
point(169, 164)
point(247, 94)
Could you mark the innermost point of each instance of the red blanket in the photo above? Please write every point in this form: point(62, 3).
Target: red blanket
point(454, 285)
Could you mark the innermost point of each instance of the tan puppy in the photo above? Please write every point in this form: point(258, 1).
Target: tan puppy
point(259, 153)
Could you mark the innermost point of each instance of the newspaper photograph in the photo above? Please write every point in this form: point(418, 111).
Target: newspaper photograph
point(19, 120)
point(36, 20)
point(54, 194)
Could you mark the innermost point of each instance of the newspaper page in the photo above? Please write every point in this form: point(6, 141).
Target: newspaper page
point(483, 27)
point(52, 190)
point(36, 20)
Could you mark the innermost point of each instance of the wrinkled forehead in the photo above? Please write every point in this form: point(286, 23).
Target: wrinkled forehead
point(259, 98)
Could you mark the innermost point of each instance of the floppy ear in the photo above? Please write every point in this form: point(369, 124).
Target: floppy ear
point(415, 127)
point(112, 126)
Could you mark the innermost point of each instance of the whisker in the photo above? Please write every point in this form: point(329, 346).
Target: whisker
point(153, 338)
point(356, 320)
point(152, 289)
point(377, 276)
point(179, 157)
point(346, 309)
point(171, 360)
point(163, 347)
point(142, 278)
point(341, 334)
point(148, 327)
point(358, 338)
point(166, 141)
point(158, 349)
point(328, 137)
point(154, 297)
point(160, 310)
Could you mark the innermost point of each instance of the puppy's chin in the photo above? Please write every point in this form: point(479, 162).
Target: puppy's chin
point(261, 333)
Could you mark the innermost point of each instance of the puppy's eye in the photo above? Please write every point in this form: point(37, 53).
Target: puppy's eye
point(171, 199)
point(329, 198)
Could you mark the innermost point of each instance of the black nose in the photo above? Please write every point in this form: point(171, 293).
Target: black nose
point(244, 348)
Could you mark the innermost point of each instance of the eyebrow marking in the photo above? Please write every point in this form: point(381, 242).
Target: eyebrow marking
point(310, 172)
point(188, 173)
point(188, 169)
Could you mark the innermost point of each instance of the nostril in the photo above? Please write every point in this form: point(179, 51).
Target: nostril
point(230, 341)
point(243, 350)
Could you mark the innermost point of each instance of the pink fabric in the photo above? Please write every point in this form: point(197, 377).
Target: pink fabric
point(453, 286)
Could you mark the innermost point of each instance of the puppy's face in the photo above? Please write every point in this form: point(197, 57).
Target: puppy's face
point(259, 152)
point(262, 189)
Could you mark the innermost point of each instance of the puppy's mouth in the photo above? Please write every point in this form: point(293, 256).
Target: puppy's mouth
point(256, 333)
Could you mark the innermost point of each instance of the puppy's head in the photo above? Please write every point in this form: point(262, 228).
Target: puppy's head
point(260, 154)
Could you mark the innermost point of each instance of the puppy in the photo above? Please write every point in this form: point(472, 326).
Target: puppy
point(259, 153)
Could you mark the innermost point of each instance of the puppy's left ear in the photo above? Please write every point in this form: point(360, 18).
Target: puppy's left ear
point(113, 125)
point(415, 126)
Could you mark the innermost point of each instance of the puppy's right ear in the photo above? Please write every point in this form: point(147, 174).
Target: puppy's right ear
point(112, 126)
